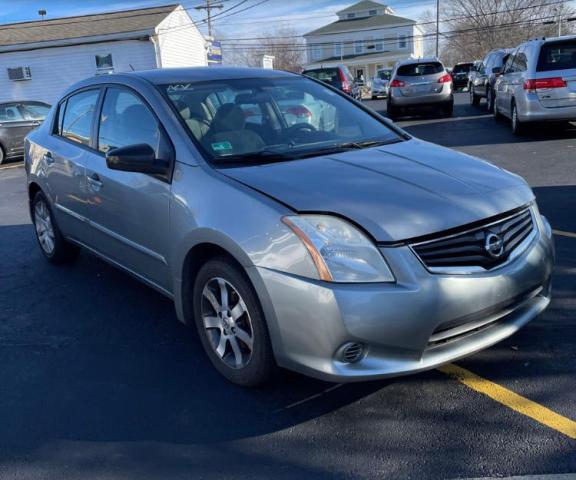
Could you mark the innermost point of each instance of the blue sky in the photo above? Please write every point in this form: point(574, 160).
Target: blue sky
point(303, 15)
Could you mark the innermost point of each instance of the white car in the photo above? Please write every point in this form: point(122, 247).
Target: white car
point(381, 83)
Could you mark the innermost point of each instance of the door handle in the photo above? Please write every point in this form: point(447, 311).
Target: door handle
point(95, 182)
point(48, 158)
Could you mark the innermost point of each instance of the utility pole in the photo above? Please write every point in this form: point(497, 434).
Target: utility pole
point(208, 7)
point(437, 28)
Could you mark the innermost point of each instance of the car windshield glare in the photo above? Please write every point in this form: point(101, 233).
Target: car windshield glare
point(265, 119)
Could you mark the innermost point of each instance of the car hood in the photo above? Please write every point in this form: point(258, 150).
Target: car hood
point(395, 192)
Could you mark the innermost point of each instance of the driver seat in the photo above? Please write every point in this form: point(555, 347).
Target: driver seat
point(228, 126)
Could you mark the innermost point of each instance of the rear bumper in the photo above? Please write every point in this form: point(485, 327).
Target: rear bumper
point(399, 100)
point(398, 323)
point(530, 109)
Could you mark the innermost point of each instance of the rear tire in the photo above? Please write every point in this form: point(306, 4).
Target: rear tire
point(392, 111)
point(448, 109)
point(2, 155)
point(518, 128)
point(231, 324)
point(52, 243)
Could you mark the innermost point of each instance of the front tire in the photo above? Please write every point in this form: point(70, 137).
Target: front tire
point(490, 98)
point(52, 243)
point(2, 155)
point(474, 99)
point(231, 324)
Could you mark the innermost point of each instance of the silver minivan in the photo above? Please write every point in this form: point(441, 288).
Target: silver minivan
point(420, 83)
point(538, 83)
point(340, 247)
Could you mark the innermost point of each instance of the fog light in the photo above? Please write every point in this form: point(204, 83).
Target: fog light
point(350, 352)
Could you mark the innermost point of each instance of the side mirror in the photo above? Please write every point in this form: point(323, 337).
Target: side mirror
point(497, 70)
point(139, 158)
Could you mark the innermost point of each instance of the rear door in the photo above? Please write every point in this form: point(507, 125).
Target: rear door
point(557, 65)
point(420, 78)
point(129, 212)
point(15, 126)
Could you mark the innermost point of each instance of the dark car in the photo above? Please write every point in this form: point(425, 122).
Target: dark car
point(483, 84)
point(460, 74)
point(17, 119)
point(338, 77)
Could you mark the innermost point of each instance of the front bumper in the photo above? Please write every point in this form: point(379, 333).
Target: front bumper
point(398, 323)
point(530, 109)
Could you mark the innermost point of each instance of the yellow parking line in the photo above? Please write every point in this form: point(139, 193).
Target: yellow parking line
point(512, 400)
point(8, 167)
point(564, 233)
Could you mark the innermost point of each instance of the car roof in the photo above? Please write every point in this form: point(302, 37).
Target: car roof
point(412, 61)
point(36, 102)
point(199, 74)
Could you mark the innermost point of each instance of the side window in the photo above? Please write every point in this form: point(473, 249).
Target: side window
point(79, 116)
point(509, 65)
point(9, 113)
point(126, 120)
point(520, 62)
point(34, 111)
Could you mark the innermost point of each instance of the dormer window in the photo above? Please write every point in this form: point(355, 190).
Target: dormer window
point(351, 15)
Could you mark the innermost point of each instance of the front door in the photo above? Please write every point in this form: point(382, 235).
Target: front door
point(129, 212)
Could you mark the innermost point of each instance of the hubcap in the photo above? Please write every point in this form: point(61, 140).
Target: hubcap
point(44, 229)
point(227, 323)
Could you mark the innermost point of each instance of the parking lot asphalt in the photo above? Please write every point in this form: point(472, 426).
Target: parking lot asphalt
point(99, 381)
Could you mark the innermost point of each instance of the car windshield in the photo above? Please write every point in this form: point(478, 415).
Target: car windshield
point(384, 74)
point(417, 69)
point(557, 56)
point(273, 119)
point(464, 68)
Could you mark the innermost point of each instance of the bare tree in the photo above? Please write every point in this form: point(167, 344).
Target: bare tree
point(471, 28)
point(282, 42)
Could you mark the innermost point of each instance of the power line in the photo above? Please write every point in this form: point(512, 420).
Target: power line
point(208, 7)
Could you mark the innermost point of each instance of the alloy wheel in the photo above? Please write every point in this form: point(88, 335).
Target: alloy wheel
point(227, 322)
point(44, 228)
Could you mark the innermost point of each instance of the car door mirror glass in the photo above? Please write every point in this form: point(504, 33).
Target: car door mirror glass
point(497, 70)
point(139, 158)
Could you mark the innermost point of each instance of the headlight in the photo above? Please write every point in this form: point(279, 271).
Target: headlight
point(340, 251)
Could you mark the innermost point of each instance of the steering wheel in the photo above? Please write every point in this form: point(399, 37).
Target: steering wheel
point(297, 127)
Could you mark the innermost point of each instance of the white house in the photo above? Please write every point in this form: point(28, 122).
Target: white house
point(40, 59)
point(367, 36)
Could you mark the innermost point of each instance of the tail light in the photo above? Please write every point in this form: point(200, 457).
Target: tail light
point(300, 112)
point(346, 86)
point(446, 78)
point(554, 82)
point(397, 83)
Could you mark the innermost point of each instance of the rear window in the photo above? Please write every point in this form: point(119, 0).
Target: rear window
point(417, 69)
point(328, 75)
point(465, 68)
point(384, 74)
point(557, 56)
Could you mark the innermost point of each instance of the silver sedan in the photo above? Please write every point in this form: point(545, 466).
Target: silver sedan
point(339, 246)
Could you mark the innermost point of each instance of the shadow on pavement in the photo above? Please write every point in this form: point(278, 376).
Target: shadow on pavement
point(90, 354)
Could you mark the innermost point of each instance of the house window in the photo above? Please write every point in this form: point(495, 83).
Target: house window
point(350, 15)
point(104, 63)
point(358, 46)
point(402, 41)
point(372, 12)
point(338, 49)
point(316, 52)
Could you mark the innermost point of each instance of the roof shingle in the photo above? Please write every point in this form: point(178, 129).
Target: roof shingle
point(83, 26)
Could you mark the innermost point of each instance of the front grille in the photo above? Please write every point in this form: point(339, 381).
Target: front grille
point(484, 247)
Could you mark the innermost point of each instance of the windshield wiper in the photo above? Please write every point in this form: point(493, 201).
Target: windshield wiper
point(265, 155)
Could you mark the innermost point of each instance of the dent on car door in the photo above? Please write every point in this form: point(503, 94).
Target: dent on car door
point(129, 211)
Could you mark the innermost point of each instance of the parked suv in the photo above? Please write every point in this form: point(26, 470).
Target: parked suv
point(344, 249)
point(17, 119)
point(460, 74)
point(338, 77)
point(482, 84)
point(420, 83)
point(538, 83)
